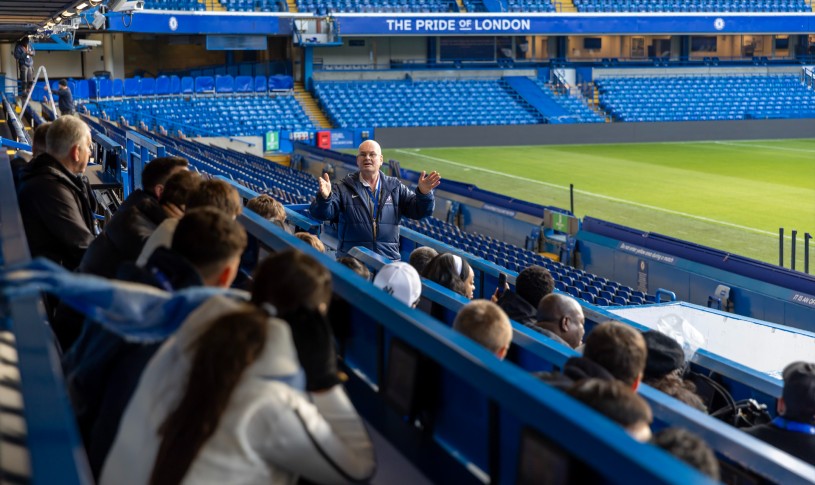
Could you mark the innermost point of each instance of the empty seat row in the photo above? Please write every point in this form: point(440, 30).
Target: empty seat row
point(422, 103)
point(701, 98)
point(167, 85)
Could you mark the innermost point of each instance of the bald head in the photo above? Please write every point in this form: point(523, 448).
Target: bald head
point(563, 316)
point(369, 160)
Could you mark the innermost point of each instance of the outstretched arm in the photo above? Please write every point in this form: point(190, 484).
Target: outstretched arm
point(428, 182)
point(326, 205)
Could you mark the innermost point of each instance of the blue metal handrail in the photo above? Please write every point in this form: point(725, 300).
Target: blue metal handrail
point(571, 424)
point(52, 438)
point(727, 440)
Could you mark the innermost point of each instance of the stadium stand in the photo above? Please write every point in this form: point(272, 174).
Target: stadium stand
point(295, 187)
point(691, 6)
point(715, 97)
point(423, 103)
point(531, 6)
point(233, 115)
point(221, 5)
point(325, 7)
point(580, 284)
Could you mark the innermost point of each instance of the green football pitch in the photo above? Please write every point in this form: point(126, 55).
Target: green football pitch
point(729, 195)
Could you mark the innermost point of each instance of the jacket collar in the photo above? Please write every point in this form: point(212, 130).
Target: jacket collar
point(46, 164)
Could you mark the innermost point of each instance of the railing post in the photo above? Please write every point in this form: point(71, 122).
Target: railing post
point(781, 247)
point(807, 237)
point(792, 249)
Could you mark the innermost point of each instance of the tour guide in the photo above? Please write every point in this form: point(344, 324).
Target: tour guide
point(367, 205)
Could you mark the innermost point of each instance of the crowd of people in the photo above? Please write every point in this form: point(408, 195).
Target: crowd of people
point(245, 386)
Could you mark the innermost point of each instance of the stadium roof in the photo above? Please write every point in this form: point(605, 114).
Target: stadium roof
point(20, 17)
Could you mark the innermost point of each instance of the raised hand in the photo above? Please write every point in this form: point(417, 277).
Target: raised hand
point(429, 182)
point(325, 186)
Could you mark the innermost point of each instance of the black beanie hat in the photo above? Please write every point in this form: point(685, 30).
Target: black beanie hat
point(665, 355)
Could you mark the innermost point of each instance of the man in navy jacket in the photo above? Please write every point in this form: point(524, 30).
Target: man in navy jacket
point(368, 205)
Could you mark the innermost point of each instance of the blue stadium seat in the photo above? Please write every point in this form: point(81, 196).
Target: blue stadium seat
point(224, 84)
point(162, 85)
point(187, 85)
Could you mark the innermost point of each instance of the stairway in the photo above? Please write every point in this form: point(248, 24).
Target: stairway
point(292, 5)
point(543, 101)
point(315, 114)
point(565, 6)
point(213, 5)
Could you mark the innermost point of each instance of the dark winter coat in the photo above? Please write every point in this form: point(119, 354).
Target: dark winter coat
point(124, 235)
point(57, 209)
point(518, 309)
point(348, 205)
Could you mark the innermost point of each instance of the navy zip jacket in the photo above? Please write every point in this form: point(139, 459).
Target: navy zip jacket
point(350, 206)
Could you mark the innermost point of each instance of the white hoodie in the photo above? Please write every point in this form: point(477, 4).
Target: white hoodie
point(270, 433)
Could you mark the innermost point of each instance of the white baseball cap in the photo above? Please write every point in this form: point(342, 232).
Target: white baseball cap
point(400, 280)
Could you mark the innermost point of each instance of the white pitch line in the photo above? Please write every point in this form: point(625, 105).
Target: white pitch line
point(749, 145)
point(592, 194)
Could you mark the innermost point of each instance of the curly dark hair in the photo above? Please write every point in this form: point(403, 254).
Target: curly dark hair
point(533, 283)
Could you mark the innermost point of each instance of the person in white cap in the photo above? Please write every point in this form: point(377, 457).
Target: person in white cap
point(402, 281)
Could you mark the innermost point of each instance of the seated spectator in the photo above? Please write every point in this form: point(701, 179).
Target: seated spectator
point(452, 272)
point(664, 368)
point(267, 207)
point(166, 186)
point(299, 289)
point(357, 266)
point(311, 240)
point(531, 285)
point(213, 193)
point(55, 199)
point(421, 256)
point(617, 402)
point(119, 244)
point(613, 350)
point(271, 210)
point(560, 318)
point(222, 402)
point(689, 448)
point(484, 322)
point(102, 369)
point(38, 147)
point(793, 431)
point(400, 280)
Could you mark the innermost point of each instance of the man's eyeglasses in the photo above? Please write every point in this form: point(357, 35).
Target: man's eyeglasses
point(366, 155)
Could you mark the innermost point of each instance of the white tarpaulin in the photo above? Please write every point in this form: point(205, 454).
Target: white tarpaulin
point(763, 346)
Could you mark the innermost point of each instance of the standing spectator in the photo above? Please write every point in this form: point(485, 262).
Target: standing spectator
point(66, 98)
point(56, 203)
point(531, 285)
point(485, 322)
point(793, 430)
point(561, 319)
point(24, 53)
point(367, 205)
